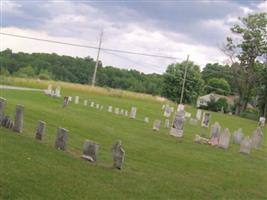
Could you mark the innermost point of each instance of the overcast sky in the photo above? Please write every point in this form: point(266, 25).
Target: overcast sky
point(171, 28)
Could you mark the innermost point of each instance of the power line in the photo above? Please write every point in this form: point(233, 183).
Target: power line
point(91, 47)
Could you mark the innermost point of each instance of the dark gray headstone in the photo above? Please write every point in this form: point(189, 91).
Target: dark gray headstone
point(238, 136)
point(178, 124)
point(224, 139)
point(245, 146)
point(2, 109)
point(118, 155)
point(18, 125)
point(61, 140)
point(90, 150)
point(257, 138)
point(40, 131)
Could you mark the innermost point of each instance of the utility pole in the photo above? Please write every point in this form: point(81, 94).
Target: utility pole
point(185, 72)
point(97, 58)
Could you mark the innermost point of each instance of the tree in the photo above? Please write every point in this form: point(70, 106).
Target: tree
point(215, 70)
point(218, 86)
point(252, 46)
point(25, 72)
point(173, 78)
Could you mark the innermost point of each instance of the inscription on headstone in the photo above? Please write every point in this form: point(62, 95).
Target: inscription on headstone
point(178, 124)
point(167, 111)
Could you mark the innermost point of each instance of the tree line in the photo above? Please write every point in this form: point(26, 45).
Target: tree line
point(245, 76)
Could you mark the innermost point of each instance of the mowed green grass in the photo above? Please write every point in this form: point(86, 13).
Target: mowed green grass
point(157, 166)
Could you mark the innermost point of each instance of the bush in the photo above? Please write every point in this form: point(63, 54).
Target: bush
point(218, 105)
point(25, 72)
point(44, 75)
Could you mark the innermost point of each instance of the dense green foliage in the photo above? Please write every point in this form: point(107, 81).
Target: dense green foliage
point(173, 80)
point(157, 166)
point(218, 86)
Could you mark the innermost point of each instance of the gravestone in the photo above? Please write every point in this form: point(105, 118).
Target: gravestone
point(205, 120)
point(77, 99)
point(40, 130)
point(117, 111)
point(70, 98)
point(215, 134)
point(199, 114)
point(201, 140)
point(238, 136)
point(257, 138)
point(133, 112)
point(167, 123)
point(49, 90)
point(180, 107)
point(178, 124)
point(18, 125)
point(126, 113)
point(7, 122)
point(2, 109)
point(90, 150)
point(118, 155)
point(146, 120)
point(110, 109)
point(57, 92)
point(193, 121)
point(97, 106)
point(122, 112)
point(187, 114)
point(245, 146)
point(167, 111)
point(92, 104)
point(224, 139)
point(65, 102)
point(156, 125)
point(163, 106)
point(262, 121)
point(61, 140)
point(85, 102)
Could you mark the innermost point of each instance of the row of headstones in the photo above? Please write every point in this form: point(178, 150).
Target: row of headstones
point(90, 148)
point(222, 139)
point(53, 93)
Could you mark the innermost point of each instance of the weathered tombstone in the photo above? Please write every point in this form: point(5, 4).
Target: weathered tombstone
point(40, 130)
point(7, 122)
point(118, 155)
point(156, 125)
point(245, 146)
point(257, 138)
point(238, 136)
point(146, 120)
point(92, 104)
point(205, 120)
point(262, 121)
point(180, 107)
point(49, 90)
point(215, 134)
point(85, 102)
point(97, 106)
point(70, 98)
point(224, 139)
point(199, 114)
point(126, 113)
point(201, 140)
point(133, 112)
point(18, 125)
point(110, 109)
point(65, 102)
point(57, 92)
point(193, 121)
point(167, 111)
point(167, 123)
point(122, 112)
point(2, 109)
point(61, 140)
point(77, 99)
point(178, 124)
point(90, 150)
point(117, 111)
point(187, 114)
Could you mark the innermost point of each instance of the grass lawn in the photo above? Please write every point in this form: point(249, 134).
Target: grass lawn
point(157, 166)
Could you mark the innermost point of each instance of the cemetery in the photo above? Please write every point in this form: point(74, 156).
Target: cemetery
point(93, 140)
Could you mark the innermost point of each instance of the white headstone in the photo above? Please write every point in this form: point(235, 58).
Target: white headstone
point(178, 124)
point(57, 91)
point(180, 107)
point(224, 139)
point(199, 114)
point(126, 113)
point(167, 111)
point(117, 111)
point(85, 102)
point(97, 106)
point(76, 100)
point(167, 123)
point(187, 114)
point(262, 121)
point(70, 98)
point(146, 120)
point(238, 136)
point(245, 146)
point(49, 90)
point(109, 108)
point(133, 112)
point(257, 138)
point(92, 104)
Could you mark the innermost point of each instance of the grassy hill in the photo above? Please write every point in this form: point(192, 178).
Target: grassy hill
point(157, 166)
